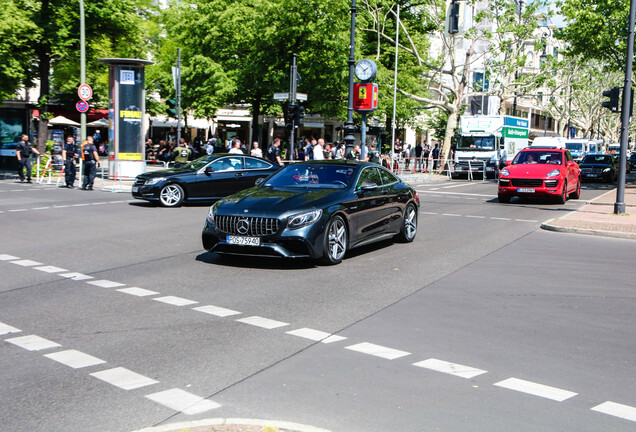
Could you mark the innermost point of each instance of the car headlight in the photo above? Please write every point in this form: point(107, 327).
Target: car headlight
point(606, 170)
point(554, 173)
point(303, 219)
point(212, 212)
point(504, 172)
point(154, 180)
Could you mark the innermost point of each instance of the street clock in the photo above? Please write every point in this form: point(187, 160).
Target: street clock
point(366, 69)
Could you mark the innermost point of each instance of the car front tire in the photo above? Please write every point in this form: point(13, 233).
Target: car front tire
point(171, 195)
point(409, 224)
point(577, 193)
point(564, 194)
point(336, 241)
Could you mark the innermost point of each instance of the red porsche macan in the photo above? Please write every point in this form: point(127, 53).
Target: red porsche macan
point(541, 171)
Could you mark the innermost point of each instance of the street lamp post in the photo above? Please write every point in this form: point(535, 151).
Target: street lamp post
point(349, 127)
point(514, 104)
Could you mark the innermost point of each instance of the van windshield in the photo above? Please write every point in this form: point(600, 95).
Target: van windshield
point(476, 143)
point(572, 146)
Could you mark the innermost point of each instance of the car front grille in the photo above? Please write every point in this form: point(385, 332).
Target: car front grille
point(247, 226)
point(139, 181)
point(527, 182)
point(592, 170)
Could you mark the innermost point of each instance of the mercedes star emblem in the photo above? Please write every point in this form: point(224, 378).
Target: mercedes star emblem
point(243, 226)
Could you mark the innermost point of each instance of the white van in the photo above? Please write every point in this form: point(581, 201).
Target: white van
point(546, 141)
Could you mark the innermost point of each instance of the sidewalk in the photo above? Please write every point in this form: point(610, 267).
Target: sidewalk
point(598, 218)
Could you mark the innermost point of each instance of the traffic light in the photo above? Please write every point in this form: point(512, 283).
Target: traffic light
point(612, 103)
point(453, 17)
point(290, 115)
point(172, 110)
point(299, 114)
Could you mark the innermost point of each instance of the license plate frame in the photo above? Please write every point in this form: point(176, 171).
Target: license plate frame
point(526, 190)
point(243, 240)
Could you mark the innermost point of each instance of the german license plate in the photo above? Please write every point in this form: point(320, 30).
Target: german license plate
point(244, 241)
point(135, 188)
point(591, 175)
point(525, 190)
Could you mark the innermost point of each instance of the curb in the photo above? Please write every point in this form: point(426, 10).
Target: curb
point(184, 426)
point(599, 233)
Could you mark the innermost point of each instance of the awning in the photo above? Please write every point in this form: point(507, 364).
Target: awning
point(165, 122)
point(63, 121)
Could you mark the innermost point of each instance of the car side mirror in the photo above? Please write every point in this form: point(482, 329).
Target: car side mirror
point(508, 162)
point(209, 170)
point(259, 181)
point(368, 186)
point(571, 163)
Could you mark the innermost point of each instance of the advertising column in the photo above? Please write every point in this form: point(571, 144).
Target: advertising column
point(126, 107)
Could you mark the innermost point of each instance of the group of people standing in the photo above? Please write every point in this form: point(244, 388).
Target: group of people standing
point(419, 154)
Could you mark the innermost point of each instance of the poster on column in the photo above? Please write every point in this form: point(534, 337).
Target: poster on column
point(131, 94)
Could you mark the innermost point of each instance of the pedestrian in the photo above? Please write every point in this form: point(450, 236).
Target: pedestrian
point(181, 154)
point(69, 153)
point(374, 154)
point(23, 152)
point(318, 147)
point(309, 149)
point(256, 152)
point(237, 148)
point(91, 162)
point(354, 153)
point(273, 152)
point(418, 157)
point(435, 154)
point(407, 156)
point(340, 151)
point(209, 147)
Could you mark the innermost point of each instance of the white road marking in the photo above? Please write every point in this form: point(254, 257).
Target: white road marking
point(61, 206)
point(432, 191)
point(40, 208)
point(460, 185)
point(535, 389)
point(625, 412)
point(5, 257)
point(105, 283)
point(428, 213)
point(99, 203)
point(500, 218)
point(175, 301)
point(7, 329)
point(33, 342)
point(450, 368)
point(80, 205)
point(476, 217)
point(215, 310)
point(26, 263)
point(316, 335)
point(182, 401)
point(526, 220)
point(139, 292)
point(450, 214)
point(76, 276)
point(17, 210)
point(377, 350)
point(50, 269)
point(262, 322)
point(124, 378)
point(75, 359)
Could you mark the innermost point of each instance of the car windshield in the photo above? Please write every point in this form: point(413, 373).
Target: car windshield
point(538, 157)
point(597, 159)
point(476, 143)
point(572, 146)
point(315, 176)
point(198, 163)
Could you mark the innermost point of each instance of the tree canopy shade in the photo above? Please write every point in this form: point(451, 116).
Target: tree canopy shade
point(597, 30)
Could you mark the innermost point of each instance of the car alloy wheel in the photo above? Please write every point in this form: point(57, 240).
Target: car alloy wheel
point(564, 194)
point(335, 241)
point(171, 195)
point(409, 224)
point(577, 193)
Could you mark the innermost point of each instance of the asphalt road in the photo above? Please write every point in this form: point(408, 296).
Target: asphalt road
point(113, 318)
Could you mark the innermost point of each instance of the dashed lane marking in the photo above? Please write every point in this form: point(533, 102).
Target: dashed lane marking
point(26, 263)
point(181, 400)
point(450, 368)
point(105, 283)
point(74, 359)
point(265, 323)
point(535, 389)
point(175, 301)
point(5, 257)
point(139, 292)
point(451, 214)
point(434, 191)
point(124, 378)
point(7, 329)
point(17, 210)
point(50, 269)
point(500, 218)
point(378, 350)
point(316, 335)
point(216, 310)
point(625, 412)
point(475, 217)
point(479, 217)
point(33, 343)
point(80, 205)
point(76, 276)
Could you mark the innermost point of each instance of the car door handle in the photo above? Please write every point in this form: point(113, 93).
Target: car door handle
point(238, 175)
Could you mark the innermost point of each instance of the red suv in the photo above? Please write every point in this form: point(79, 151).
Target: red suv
point(541, 171)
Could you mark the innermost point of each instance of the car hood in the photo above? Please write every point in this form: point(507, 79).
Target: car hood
point(532, 170)
point(278, 200)
point(170, 172)
point(593, 165)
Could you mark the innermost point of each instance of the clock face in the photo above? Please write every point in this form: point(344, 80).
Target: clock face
point(365, 69)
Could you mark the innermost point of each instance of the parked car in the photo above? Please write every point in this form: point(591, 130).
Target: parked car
point(205, 179)
point(600, 167)
point(541, 171)
point(631, 162)
point(316, 210)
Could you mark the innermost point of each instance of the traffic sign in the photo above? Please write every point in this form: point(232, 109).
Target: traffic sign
point(85, 92)
point(301, 96)
point(281, 96)
point(82, 106)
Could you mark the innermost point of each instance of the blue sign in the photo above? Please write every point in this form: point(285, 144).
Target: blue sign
point(516, 122)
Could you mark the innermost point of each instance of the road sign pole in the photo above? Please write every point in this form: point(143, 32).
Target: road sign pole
point(82, 66)
point(292, 94)
point(178, 96)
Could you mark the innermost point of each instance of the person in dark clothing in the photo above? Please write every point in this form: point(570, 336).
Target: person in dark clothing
point(435, 154)
point(23, 152)
point(273, 152)
point(69, 152)
point(418, 157)
point(91, 162)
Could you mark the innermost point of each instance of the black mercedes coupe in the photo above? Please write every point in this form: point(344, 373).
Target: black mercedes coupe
point(205, 179)
point(316, 210)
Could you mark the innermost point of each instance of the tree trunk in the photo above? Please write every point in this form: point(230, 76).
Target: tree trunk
point(256, 130)
point(43, 52)
point(451, 127)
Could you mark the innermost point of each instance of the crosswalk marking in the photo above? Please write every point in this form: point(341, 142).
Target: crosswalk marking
point(535, 389)
point(316, 335)
point(33, 343)
point(5, 257)
point(139, 292)
point(175, 301)
point(450, 368)
point(74, 359)
point(378, 350)
point(124, 378)
point(7, 329)
point(217, 311)
point(105, 283)
point(50, 269)
point(182, 401)
point(26, 263)
point(76, 276)
point(262, 322)
point(625, 412)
